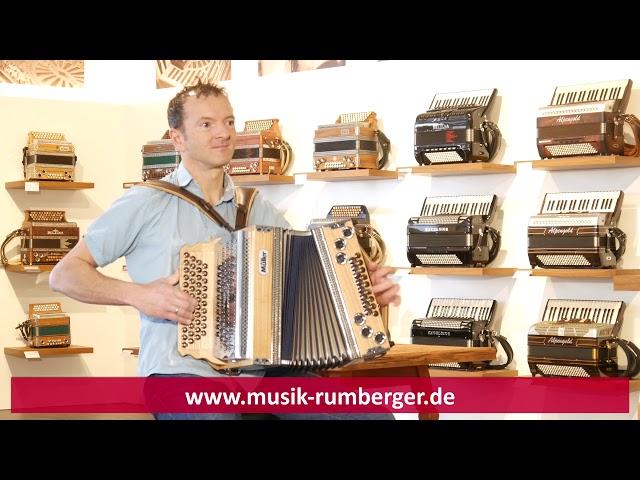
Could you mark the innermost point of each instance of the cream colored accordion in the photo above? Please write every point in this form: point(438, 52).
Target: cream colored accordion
point(271, 297)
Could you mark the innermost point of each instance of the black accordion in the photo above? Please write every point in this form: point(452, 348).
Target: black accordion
point(48, 156)
point(579, 338)
point(577, 230)
point(271, 297)
point(368, 237)
point(586, 120)
point(260, 149)
point(455, 129)
point(460, 322)
point(453, 231)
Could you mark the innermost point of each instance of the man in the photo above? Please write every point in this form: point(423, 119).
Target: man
point(149, 227)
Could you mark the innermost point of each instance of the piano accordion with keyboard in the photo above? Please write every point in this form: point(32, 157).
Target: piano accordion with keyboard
point(460, 322)
point(453, 231)
point(577, 230)
point(353, 142)
point(48, 156)
point(272, 297)
point(260, 149)
point(455, 129)
point(579, 338)
point(587, 119)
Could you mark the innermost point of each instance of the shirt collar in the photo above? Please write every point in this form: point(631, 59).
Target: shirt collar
point(185, 179)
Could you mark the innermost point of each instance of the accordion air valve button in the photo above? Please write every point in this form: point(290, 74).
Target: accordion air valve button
point(359, 319)
point(367, 332)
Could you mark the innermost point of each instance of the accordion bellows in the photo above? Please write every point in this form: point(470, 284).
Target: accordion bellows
point(577, 230)
point(455, 129)
point(48, 156)
point(278, 297)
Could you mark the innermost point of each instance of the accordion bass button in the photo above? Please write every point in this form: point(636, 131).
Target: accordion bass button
point(347, 232)
point(379, 338)
point(341, 258)
point(358, 319)
point(367, 332)
point(340, 243)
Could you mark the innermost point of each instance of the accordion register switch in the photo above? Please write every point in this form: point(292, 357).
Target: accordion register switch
point(453, 232)
point(159, 158)
point(577, 230)
point(460, 322)
point(579, 338)
point(46, 326)
point(260, 149)
point(353, 142)
point(48, 156)
point(455, 129)
point(45, 237)
point(587, 119)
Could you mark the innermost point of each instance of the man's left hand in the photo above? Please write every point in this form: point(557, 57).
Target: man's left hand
point(384, 288)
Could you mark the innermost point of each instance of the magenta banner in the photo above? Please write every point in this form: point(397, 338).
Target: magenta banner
point(319, 395)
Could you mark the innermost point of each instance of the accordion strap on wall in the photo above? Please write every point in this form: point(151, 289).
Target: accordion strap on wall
point(244, 198)
point(379, 248)
point(285, 156)
point(629, 149)
point(10, 237)
point(385, 146)
point(505, 346)
point(495, 243)
point(25, 330)
point(633, 357)
point(187, 196)
point(617, 234)
point(491, 137)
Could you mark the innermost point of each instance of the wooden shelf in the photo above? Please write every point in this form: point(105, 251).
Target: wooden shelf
point(627, 280)
point(265, 179)
point(478, 168)
point(442, 372)
point(586, 162)
point(351, 175)
point(46, 352)
point(133, 350)
point(574, 272)
point(464, 272)
point(19, 268)
point(46, 185)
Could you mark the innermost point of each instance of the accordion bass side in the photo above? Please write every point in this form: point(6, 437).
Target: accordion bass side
point(277, 297)
point(159, 158)
point(585, 120)
point(579, 338)
point(47, 326)
point(46, 237)
point(48, 156)
point(455, 129)
point(353, 142)
point(260, 149)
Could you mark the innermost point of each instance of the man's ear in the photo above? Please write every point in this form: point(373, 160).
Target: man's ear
point(177, 138)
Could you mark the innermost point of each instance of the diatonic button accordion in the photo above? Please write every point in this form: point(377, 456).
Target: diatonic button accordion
point(579, 338)
point(46, 326)
point(159, 158)
point(353, 142)
point(48, 156)
point(584, 119)
point(453, 231)
point(276, 297)
point(455, 129)
point(577, 230)
point(260, 149)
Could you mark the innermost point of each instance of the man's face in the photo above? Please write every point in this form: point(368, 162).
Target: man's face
point(208, 131)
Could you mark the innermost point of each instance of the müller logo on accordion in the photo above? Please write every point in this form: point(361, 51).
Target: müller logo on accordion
point(260, 149)
point(577, 230)
point(579, 338)
point(453, 231)
point(460, 322)
point(47, 326)
point(370, 240)
point(159, 158)
point(277, 297)
point(48, 156)
point(45, 236)
point(587, 119)
point(353, 142)
point(455, 129)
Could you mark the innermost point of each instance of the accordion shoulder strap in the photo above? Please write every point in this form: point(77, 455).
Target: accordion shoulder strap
point(187, 196)
point(244, 198)
point(10, 237)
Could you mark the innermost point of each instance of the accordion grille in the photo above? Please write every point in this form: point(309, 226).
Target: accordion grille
point(444, 259)
point(564, 260)
point(571, 329)
point(442, 323)
point(355, 117)
point(444, 157)
point(445, 365)
point(571, 149)
point(349, 211)
point(46, 136)
point(46, 215)
point(254, 126)
point(564, 221)
point(438, 220)
point(562, 370)
point(46, 307)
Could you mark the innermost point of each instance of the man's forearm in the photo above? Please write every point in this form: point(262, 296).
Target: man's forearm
point(80, 281)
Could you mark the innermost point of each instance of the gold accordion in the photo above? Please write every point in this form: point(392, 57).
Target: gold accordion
point(260, 149)
point(48, 156)
point(353, 142)
point(270, 297)
point(159, 158)
point(47, 326)
point(46, 237)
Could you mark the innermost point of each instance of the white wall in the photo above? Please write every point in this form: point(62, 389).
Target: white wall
point(120, 109)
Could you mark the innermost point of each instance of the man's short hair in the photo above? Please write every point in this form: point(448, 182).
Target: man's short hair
point(175, 111)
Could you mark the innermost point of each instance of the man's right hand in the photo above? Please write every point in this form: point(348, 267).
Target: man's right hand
point(162, 299)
